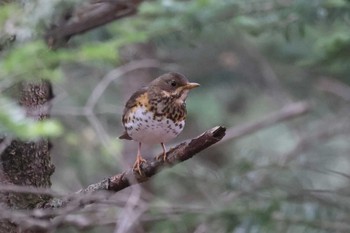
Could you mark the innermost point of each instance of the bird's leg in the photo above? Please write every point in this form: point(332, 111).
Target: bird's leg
point(163, 156)
point(164, 152)
point(139, 160)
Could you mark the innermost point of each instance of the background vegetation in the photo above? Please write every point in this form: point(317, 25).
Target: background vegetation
point(251, 57)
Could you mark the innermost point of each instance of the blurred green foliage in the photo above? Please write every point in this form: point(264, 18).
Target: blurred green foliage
point(251, 57)
point(14, 123)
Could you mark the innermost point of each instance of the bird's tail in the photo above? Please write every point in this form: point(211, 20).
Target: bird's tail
point(125, 136)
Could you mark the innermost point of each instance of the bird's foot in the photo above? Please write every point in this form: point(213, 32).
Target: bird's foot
point(137, 165)
point(163, 157)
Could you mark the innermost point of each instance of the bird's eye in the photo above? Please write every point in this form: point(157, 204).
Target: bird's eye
point(173, 83)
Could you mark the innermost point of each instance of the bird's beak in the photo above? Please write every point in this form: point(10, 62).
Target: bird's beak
point(189, 86)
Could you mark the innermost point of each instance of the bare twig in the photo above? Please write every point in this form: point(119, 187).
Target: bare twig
point(323, 133)
point(334, 87)
point(288, 112)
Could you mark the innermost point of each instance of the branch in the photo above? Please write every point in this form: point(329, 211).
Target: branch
point(288, 112)
point(58, 210)
point(184, 151)
point(93, 14)
point(335, 87)
point(181, 152)
point(325, 131)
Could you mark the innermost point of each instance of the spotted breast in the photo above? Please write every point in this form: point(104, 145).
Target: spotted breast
point(155, 119)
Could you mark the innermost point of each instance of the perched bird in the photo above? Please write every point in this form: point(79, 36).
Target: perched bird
point(156, 113)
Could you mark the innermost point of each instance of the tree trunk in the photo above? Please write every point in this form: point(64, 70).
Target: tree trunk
point(27, 162)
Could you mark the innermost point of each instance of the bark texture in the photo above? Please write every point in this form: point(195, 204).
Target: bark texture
point(87, 16)
point(178, 154)
point(27, 163)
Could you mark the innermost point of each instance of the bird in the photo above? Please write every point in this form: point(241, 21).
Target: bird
point(156, 113)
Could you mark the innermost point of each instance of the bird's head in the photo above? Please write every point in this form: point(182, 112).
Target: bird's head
point(173, 85)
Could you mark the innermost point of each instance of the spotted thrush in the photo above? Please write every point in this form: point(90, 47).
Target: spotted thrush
point(156, 113)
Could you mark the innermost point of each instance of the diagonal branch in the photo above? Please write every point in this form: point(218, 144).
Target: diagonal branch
point(289, 111)
point(88, 16)
point(181, 152)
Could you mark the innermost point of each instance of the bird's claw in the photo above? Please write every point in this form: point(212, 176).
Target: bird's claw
point(162, 157)
point(137, 165)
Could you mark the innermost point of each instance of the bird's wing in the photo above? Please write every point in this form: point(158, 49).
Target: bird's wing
point(128, 106)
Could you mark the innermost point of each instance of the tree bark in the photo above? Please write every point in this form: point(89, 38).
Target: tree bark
point(87, 16)
point(27, 163)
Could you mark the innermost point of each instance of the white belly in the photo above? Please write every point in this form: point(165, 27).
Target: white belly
point(143, 128)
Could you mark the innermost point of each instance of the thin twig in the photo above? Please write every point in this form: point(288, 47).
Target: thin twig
point(288, 112)
point(323, 133)
point(335, 87)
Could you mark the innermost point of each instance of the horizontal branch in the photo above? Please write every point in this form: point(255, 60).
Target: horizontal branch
point(181, 152)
